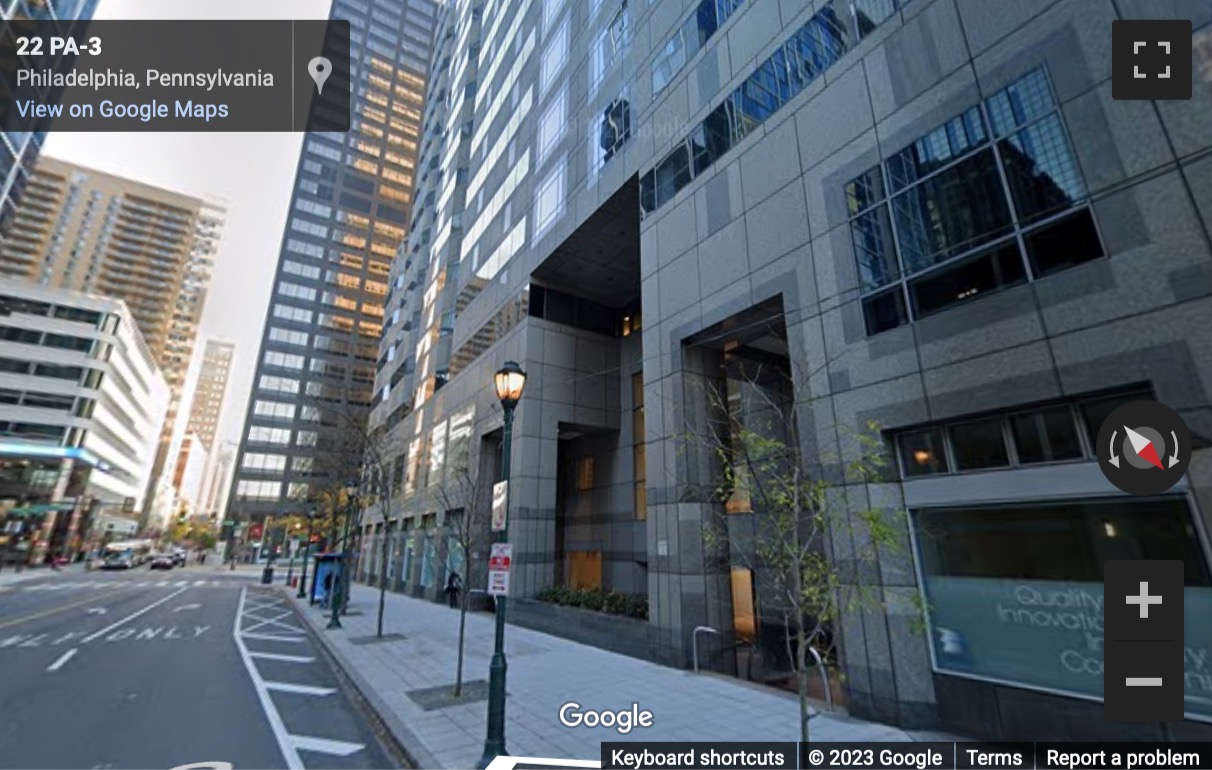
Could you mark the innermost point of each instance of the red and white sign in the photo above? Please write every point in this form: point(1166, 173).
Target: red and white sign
point(498, 569)
point(500, 494)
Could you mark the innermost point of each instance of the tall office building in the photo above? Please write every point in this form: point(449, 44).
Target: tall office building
point(19, 148)
point(82, 229)
point(217, 484)
point(930, 214)
point(349, 211)
point(210, 391)
point(82, 405)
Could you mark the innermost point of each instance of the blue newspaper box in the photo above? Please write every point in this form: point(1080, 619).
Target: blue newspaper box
point(326, 564)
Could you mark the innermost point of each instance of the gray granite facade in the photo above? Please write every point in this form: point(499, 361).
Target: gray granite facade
point(767, 221)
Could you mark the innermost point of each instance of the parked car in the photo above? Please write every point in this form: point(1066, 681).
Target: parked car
point(118, 561)
point(178, 556)
point(163, 561)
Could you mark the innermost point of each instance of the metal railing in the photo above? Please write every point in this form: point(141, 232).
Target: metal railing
point(820, 665)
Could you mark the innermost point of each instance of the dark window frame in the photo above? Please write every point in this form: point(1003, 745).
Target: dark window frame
point(988, 127)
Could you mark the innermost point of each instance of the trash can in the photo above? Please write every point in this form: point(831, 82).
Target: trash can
point(267, 576)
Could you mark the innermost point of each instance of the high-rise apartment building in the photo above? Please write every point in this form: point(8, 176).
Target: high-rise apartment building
point(210, 391)
point(930, 214)
point(82, 229)
point(19, 146)
point(349, 212)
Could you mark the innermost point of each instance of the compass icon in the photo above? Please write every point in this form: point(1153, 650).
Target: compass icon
point(1144, 448)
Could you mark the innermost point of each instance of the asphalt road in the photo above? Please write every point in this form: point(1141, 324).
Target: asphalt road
point(148, 669)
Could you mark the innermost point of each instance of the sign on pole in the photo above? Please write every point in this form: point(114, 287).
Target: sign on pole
point(499, 513)
point(498, 569)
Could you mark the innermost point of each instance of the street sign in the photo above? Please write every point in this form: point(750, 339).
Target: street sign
point(498, 584)
point(498, 569)
point(500, 492)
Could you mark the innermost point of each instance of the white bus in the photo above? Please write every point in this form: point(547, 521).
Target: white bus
point(138, 551)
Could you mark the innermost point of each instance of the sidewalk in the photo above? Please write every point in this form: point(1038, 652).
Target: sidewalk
point(408, 681)
point(9, 576)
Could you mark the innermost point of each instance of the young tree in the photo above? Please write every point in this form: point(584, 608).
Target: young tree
point(467, 503)
point(783, 514)
point(364, 453)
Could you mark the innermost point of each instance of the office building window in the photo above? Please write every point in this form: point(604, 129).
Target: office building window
point(800, 60)
point(941, 221)
point(1051, 433)
point(255, 461)
point(291, 313)
point(706, 20)
point(278, 384)
point(615, 128)
point(260, 434)
point(274, 409)
point(259, 490)
point(283, 360)
point(289, 337)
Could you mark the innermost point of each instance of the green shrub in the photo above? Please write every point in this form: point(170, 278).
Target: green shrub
point(597, 600)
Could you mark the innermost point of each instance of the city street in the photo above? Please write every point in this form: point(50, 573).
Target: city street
point(146, 669)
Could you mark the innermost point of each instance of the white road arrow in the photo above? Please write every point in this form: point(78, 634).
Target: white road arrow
point(187, 607)
point(97, 610)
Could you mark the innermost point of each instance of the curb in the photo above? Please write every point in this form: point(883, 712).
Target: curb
point(406, 740)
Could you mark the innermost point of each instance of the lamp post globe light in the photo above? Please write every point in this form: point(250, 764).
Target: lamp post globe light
point(509, 382)
point(351, 489)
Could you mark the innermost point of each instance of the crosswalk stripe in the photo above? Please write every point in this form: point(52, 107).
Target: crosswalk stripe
point(99, 584)
point(271, 637)
point(325, 746)
point(282, 658)
point(299, 689)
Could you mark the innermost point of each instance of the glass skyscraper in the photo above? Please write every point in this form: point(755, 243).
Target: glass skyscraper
point(19, 149)
point(348, 214)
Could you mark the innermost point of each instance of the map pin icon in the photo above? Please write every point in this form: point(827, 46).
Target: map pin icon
point(320, 68)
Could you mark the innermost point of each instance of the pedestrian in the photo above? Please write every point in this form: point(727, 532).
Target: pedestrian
point(454, 585)
point(202, 558)
point(327, 589)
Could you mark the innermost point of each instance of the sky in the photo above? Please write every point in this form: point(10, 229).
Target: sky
point(252, 174)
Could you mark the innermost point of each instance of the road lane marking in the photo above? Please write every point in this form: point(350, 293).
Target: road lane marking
point(282, 658)
point(285, 743)
point(276, 620)
point(187, 607)
point(325, 746)
point(272, 638)
point(53, 610)
point(299, 689)
point(63, 659)
point(133, 615)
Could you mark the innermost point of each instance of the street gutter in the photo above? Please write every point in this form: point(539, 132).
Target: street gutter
point(400, 740)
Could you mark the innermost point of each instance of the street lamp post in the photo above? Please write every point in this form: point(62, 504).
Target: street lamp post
point(509, 381)
point(292, 547)
point(311, 518)
point(351, 489)
point(347, 538)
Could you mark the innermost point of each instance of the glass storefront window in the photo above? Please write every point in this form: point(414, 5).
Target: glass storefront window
point(1015, 594)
